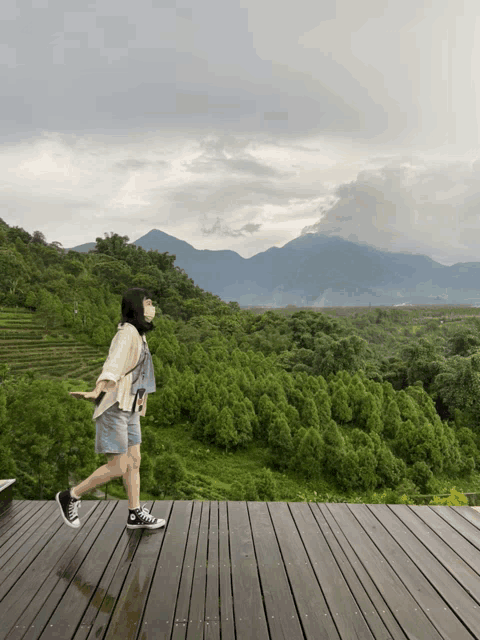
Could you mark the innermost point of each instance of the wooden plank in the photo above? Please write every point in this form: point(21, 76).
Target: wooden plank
point(103, 580)
point(398, 599)
point(468, 513)
point(365, 593)
point(211, 630)
point(166, 602)
point(346, 613)
point(462, 537)
point(315, 617)
point(20, 549)
point(10, 516)
point(33, 598)
point(282, 616)
point(250, 620)
point(441, 554)
point(106, 562)
point(80, 572)
point(184, 616)
point(225, 567)
point(380, 610)
point(13, 519)
point(133, 580)
point(14, 536)
point(196, 621)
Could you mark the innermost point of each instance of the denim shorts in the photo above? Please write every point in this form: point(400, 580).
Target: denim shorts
point(117, 430)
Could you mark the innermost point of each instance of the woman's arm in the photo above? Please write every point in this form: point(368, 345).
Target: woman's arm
point(103, 384)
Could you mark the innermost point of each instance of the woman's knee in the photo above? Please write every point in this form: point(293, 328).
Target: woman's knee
point(117, 463)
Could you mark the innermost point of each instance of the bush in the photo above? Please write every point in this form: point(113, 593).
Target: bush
point(421, 474)
point(454, 499)
point(169, 470)
point(236, 491)
point(266, 486)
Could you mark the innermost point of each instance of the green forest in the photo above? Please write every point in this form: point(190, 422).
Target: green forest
point(350, 405)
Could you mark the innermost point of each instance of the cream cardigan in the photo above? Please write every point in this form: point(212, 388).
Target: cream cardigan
point(124, 354)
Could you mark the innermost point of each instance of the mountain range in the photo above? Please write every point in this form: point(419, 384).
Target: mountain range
point(316, 270)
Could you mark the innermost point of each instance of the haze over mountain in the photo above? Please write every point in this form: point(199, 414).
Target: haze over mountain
point(318, 270)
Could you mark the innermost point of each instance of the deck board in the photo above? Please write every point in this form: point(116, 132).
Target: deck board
point(281, 570)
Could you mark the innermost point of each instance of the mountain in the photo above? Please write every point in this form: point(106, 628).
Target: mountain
point(318, 270)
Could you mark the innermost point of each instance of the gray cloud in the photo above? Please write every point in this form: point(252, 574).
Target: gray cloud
point(243, 121)
point(86, 68)
point(410, 208)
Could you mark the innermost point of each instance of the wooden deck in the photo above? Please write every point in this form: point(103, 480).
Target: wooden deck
point(241, 570)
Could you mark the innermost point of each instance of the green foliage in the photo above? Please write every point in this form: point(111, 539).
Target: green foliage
point(308, 387)
point(422, 476)
point(309, 454)
point(424, 360)
point(392, 420)
point(334, 446)
point(458, 386)
point(266, 486)
point(237, 491)
point(356, 469)
point(454, 499)
point(280, 440)
point(464, 341)
point(340, 409)
point(226, 434)
point(169, 469)
point(390, 470)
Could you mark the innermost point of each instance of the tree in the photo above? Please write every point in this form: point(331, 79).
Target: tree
point(463, 341)
point(347, 473)
point(367, 465)
point(390, 470)
point(392, 421)
point(334, 445)
point(265, 414)
point(280, 440)
point(423, 400)
point(309, 454)
point(458, 386)
point(266, 485)
point(242, 422)
point(226, 434)
point(341, 411)
point(165, 399)
point(168, 470)
point(424, 359)
point(409, 410)
point(323, 406)
point(309, 415)
point(422, 476)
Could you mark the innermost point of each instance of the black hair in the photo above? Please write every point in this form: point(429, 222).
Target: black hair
point(132, 309)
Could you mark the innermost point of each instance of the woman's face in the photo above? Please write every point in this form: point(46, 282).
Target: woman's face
point(147, 303)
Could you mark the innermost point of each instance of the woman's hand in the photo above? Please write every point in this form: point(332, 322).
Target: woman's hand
point(87, 395)
point(93, 395)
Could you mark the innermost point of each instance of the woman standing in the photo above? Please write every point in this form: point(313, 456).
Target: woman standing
point(120, 396)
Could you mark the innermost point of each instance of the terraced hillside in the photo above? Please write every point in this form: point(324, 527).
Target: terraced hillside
point(25, 345)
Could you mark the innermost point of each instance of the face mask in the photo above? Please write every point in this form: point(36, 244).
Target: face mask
point(149, 314)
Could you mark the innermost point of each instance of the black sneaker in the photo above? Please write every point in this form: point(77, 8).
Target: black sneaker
point(140, 519)
point(68, 508)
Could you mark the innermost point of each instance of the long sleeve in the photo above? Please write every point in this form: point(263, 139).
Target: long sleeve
point(123, 355)
point(116, 363)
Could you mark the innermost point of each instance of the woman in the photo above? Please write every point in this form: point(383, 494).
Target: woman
point(121, 398)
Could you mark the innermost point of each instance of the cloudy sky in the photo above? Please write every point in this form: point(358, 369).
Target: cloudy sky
point(243, 124)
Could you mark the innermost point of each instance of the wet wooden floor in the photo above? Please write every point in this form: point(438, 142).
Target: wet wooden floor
point(241, 570)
